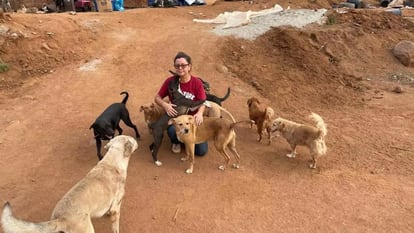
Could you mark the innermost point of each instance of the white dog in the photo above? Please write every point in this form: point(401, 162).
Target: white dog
point(300, 134)
point(100, 192)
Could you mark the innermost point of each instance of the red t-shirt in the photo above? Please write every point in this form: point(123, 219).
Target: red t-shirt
point(192, 89)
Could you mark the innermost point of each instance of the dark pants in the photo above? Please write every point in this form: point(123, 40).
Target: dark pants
point(60, 5)
point(199, 150)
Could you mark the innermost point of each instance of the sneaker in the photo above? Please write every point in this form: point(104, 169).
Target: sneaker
point(176, 148)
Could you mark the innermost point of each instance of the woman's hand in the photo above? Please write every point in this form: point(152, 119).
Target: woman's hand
point(198, 118)
point(170, 110)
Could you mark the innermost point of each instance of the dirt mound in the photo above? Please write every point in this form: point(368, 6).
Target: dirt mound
point(32, 49)
point(319, 66)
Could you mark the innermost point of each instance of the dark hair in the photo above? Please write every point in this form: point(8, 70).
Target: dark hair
point(183, 55)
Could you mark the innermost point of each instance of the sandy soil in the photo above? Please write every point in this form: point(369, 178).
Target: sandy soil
point(65, 69)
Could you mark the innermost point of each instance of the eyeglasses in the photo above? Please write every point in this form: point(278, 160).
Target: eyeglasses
point(180, 66)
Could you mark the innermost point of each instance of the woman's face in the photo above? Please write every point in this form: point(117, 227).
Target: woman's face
point(182, 67)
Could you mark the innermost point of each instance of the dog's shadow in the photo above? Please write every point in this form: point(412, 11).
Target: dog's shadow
point(299, 164)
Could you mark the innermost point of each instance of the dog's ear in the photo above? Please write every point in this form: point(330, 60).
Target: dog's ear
point(152, 105)
point(92, 126)
point(129, 147)
point(171, 121)
point(141, 108)
point(191, 119)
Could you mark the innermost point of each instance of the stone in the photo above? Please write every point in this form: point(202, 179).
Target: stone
point(397, 89)
point(404, 52)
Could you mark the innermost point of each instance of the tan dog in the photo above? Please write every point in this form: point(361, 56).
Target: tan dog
point(261, 115)
point(100, 192)
point(153, 112)
point(300, 134)
point(219, 129)
point(215, 110)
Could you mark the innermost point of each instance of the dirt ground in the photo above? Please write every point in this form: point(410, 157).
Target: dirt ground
point(65, 69)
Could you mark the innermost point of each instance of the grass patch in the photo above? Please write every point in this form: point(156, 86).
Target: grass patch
point(4, 67)
point(331, 19)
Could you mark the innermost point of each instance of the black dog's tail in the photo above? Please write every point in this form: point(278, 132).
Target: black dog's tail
point(226, 96)
point(125, 98)
point(173, 73)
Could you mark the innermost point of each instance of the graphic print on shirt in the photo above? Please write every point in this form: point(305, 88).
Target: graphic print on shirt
point(187, 95)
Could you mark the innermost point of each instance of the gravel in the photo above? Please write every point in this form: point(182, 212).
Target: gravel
point(261, 24)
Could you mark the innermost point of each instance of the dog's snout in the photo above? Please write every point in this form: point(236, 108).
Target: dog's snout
point(186, 130)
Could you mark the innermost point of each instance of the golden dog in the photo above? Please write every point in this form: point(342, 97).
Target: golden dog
point(100, 192)
point(219, 129)
point(153, 112)
point(261, 115)
point(300, 134)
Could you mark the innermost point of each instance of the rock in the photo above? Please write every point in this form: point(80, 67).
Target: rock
point(222, 68)
point(4, 29)
point(404, 52)
point(46, 46)
point(397, 89)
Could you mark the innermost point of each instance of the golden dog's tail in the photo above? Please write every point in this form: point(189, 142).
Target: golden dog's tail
point(11, 224)
point(238, 122)
point(227, 112)
point(320, 124)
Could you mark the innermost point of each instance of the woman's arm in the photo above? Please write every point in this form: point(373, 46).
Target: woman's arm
point(201, 95)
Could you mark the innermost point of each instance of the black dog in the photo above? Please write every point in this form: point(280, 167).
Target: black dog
point(105, 125)
point(158, 127)
point(210, 97)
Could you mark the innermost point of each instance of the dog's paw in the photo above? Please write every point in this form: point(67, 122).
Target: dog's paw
point(222, 167)
point(189, 171)
point(158, 163)
point(183, 159)
point(312, 166)
point(235, 166)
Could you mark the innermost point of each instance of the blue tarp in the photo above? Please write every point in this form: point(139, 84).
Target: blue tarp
point(118, 5)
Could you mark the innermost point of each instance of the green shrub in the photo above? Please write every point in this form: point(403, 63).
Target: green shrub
point(331, 19)
point(3, 67)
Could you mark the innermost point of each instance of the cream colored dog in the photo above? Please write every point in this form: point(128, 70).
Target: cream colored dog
point(300, 134)
point(219, 129)
point(100, 192)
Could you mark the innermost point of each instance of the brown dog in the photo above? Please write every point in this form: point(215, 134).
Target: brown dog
point(100, 192)
point(300, 134)
point(152, 112)
point(261, 115)
point(219, 129)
